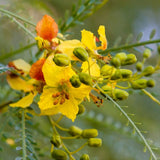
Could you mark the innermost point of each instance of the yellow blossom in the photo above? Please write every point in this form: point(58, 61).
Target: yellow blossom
point(59, 96)
point(19, 83)
point(89, 40)
point(68, 46)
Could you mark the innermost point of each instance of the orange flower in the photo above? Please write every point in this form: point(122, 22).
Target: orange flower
point(36, 70)
point(47, 28)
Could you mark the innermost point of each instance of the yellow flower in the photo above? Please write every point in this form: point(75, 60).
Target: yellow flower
point(68, 46)
point(59, 96)
point(89, 40)
point(21, 84)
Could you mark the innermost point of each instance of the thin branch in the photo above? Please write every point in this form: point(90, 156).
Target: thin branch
point(131, 122)
point(129, 46)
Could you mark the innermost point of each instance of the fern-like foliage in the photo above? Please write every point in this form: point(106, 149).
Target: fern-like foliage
point(80, 12)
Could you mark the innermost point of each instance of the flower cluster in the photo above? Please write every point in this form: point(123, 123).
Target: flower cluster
point(68, 70)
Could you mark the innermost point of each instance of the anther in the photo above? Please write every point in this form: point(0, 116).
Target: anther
point(66, 95)
point(56, 102)
point(62, 100)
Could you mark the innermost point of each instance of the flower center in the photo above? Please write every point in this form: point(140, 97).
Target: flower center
point(63, 94)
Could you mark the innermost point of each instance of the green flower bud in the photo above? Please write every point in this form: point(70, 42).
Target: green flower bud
point(81, 109)
point(81, 53)
point(85, 78)
point(116, 62)
point(148, 71)
point(122, 73)
point(75, 131)
point(150, 83)
point(85, 157)
point(139, 66)
point(131, 59)
point(95, 142)
point(75, 81)
point(122, 56)
point(61, 59)
point(56, 141)
point(106, 88)
point(125, 73)
point(89, 133)
point(107, 70)
point(147, 53)
point(139, 84)
point(120, 94)
point(59, 155)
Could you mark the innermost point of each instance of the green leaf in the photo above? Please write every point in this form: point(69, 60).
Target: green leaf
point(152, 34)
point(140, 35)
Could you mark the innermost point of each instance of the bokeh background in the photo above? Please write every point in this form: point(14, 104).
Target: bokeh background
point(121, 18)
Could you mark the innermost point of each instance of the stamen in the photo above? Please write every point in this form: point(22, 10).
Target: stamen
point(62, 100)
point(56, 101)
point(66, 95)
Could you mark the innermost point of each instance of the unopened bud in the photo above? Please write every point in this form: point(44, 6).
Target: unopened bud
point(150, 83)
point(131, 59)
point(89, 133)
point(107, 70)
point(75, 81)
point(75, 131)
point(85, 78)
point(147, 53)
point(139, 84)
point(59, 155)
point(139, 66)
point(85, 157)
point(61, 59)
point(120, 94)
point(125, 73)
point(81, 109)
point(122, 56)
point(148, 71)
point(116, 62)
point(56, 141)
point(81, 53)
point(106, 88)
point(95, 142)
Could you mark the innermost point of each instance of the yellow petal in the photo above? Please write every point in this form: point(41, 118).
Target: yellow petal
point(67, 47)
point(81, 92)
point(69, 108)
point(19, 84)
point(22, 65)
point(94, 68)
point(101, 32)
point(25, 101)
point(88, 39)
point(53, 74)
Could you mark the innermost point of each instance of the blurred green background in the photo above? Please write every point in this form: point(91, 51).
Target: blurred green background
point(121, 18)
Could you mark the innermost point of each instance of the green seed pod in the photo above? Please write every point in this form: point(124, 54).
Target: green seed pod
point(120, 94)
point(85, 157)
point(95, 142)
point(150, 83)
point(122, 56)
point(107, 70)
point(139, 66)
point(85, 78)
point(61, 59)
point(131, 59)
point(81, 109)
point(125, 73)
point(59, 155)
point(147, 53)
point(75, 131)
point(75, 81)
point(89, 133)
point(116, 62)
point(148, 71)
point(139, 84)
point(81, 53)
point(56, 141)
